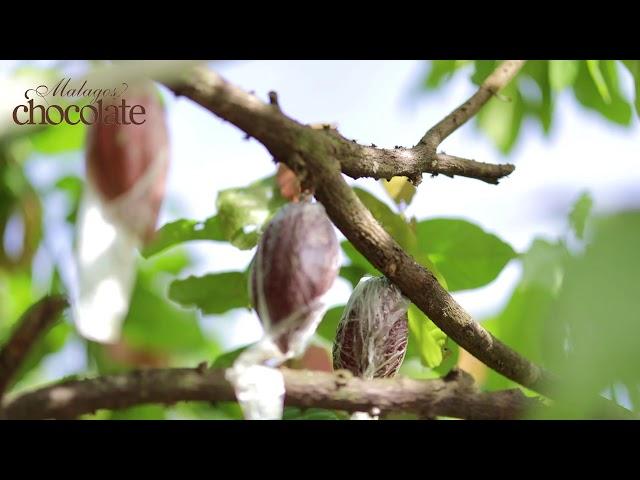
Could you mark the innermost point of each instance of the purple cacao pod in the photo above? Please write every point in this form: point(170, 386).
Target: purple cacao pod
point(296, 263)
point(372, 335)
point(131, 160)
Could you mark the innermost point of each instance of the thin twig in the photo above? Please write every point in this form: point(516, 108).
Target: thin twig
point(500, 77)
point(33, 324)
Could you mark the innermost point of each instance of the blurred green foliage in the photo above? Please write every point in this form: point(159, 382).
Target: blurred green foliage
point(595, 84)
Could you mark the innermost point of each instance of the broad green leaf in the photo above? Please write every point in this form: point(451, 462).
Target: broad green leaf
point(59, 138)
point(618, 109)
point(440, 71)
point(522, 324)
point(467, 256)
point(393, 223)
point(242, 212)
point(213, 293)
point(580, 213)
point(172, 262)
point(430, 339)
point(154, 323)
point(634, 68)
point(597, 314)
point(400, 189)
point(181, 231)
point(563, 73)
point(596, 75)
point(542, 108)
point(501, 118)
point(329, 324)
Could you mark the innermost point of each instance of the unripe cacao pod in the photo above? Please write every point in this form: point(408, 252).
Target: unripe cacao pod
point(372, 335)
point(296, 263)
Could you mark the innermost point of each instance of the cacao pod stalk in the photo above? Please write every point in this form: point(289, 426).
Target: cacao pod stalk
point(296, 263)
point(126, 169)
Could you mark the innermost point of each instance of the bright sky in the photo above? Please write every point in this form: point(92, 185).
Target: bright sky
point(380, 102)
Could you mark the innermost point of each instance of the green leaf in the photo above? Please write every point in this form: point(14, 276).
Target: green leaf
point(580, 213)
point(172, 262)
point(440, 71)
point(352, 273)
point(73, 187)
point(358, 260)
point(317, 414)
point(214, 293)
point(242, 212)
point(466, 255)
point(501, 118)
point(153, 323)
point(542, 108)
point(450, 358)
point(227, 359)
point(181, 231)
point(329, 324)
point(596, 316)
point(60, 138)
point(596, 75)
point(400, 189)
point(617, 109)
point(140, 412)
point(430, 339)
point(522, 323)
point(563, 73)
point(634, 68)
point(393, 223)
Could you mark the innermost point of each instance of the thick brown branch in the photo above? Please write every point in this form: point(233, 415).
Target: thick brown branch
point(30, 327)
point(500, 77)
point(454, 396)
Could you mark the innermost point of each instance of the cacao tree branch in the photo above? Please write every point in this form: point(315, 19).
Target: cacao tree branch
point(500, 77)
point(453, 396)
point(33, 324)
point(320, 156)
point(313, 154)
point(212, 92)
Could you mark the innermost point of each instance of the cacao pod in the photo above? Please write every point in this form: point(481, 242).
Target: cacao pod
point(127, 163)
point(296, 263)
point(126, 166)
point(372, 335)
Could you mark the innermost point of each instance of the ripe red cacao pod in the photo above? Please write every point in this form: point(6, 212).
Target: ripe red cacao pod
point(296, 263)
point(372, 335)
point(127, 163)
